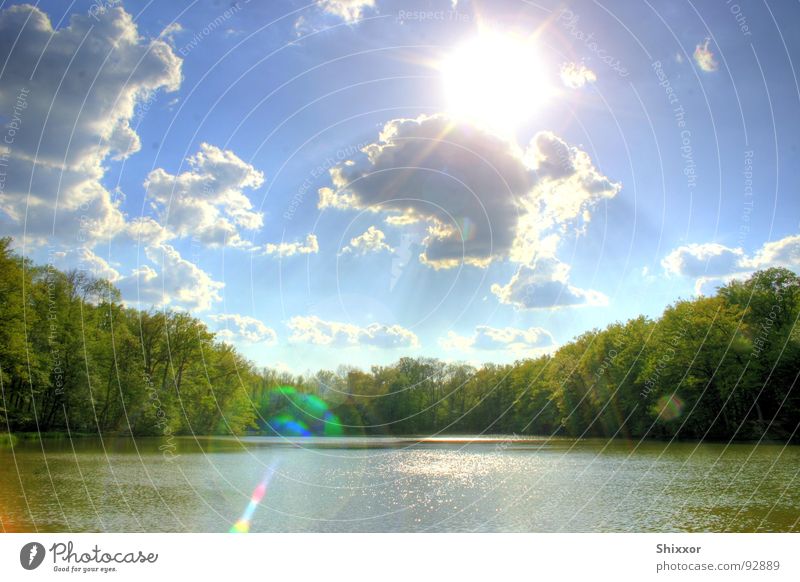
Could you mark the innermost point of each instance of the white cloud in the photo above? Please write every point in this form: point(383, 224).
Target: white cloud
point(233, 327)
point(176, 282)
point(703, 260)
point(371, 241)
point(544, 284)
point(704, 57)
point(713, 264)
point(85, 259)
point(285, 249)
point(98, 266)
point(433, 170)
point(75, 109)
point(780, 253)
point(207, 202)
point(347, 10)
point(145, 231)
point(482, 198)
point(506, 338)
point(313, 330)
point(576, 75)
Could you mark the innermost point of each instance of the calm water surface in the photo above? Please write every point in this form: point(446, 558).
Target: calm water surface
point(358, 485)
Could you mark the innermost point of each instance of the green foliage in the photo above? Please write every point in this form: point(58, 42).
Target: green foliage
point(715, 368)
point(73, 358)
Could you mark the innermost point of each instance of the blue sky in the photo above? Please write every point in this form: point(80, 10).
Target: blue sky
point(350, 181)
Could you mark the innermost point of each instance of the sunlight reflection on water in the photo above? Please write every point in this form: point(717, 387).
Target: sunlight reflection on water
point(401, 485)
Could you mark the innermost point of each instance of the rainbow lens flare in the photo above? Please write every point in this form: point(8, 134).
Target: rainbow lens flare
point(243, 523)
point(298, 414)
point(669, 407)
point(466, 227)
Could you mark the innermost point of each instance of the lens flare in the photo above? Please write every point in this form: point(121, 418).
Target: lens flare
point(298, 414)
point(466, 227)
point(242, 525)
point(669, 407)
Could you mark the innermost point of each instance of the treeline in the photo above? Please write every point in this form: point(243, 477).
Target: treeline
point(73, 357)
point(716, 367)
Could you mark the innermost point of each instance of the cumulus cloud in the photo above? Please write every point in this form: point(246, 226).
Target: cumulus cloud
point(235, 327)
point(713, 264)
point(96, 265)
point(544, 284)
point(175, 281)
point(145, 231)
point(313, 330)
point(207, 201)
point(568, 185)
point(289, 249)
point(780, 253)
point(704, 57)
point(430, 169)
point(371, 241)
point(703, 260)
point(347, 10)
point(75, 89)
point(494, 338)
point(481, 197)
point(577, 75)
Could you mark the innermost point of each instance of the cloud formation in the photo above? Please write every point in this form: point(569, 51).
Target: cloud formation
point(505, 338)
point(313, 330)
point(347, 10)
point(174, 281)
point(711, 264)
point(207, 202)
point(704, 57)
point(482, 198)
point(80, 84)
point(577, 75)
point(373, 240)
point(780, 253)
point(289, 249)
point(703, 260)
point(235, 327)
point(433, 170)
point(544, 284)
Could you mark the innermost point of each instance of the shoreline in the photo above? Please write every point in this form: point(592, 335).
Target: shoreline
point(11, 439)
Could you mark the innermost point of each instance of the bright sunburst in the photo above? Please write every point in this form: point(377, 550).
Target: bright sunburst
point(495, 80)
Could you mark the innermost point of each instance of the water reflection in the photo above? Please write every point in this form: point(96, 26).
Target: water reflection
point(338, 484)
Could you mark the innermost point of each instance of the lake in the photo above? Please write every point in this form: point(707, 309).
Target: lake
point(397, 485)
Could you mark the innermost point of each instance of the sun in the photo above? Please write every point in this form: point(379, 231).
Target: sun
point(495, 80)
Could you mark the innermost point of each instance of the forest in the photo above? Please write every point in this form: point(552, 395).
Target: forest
point(75, 359)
